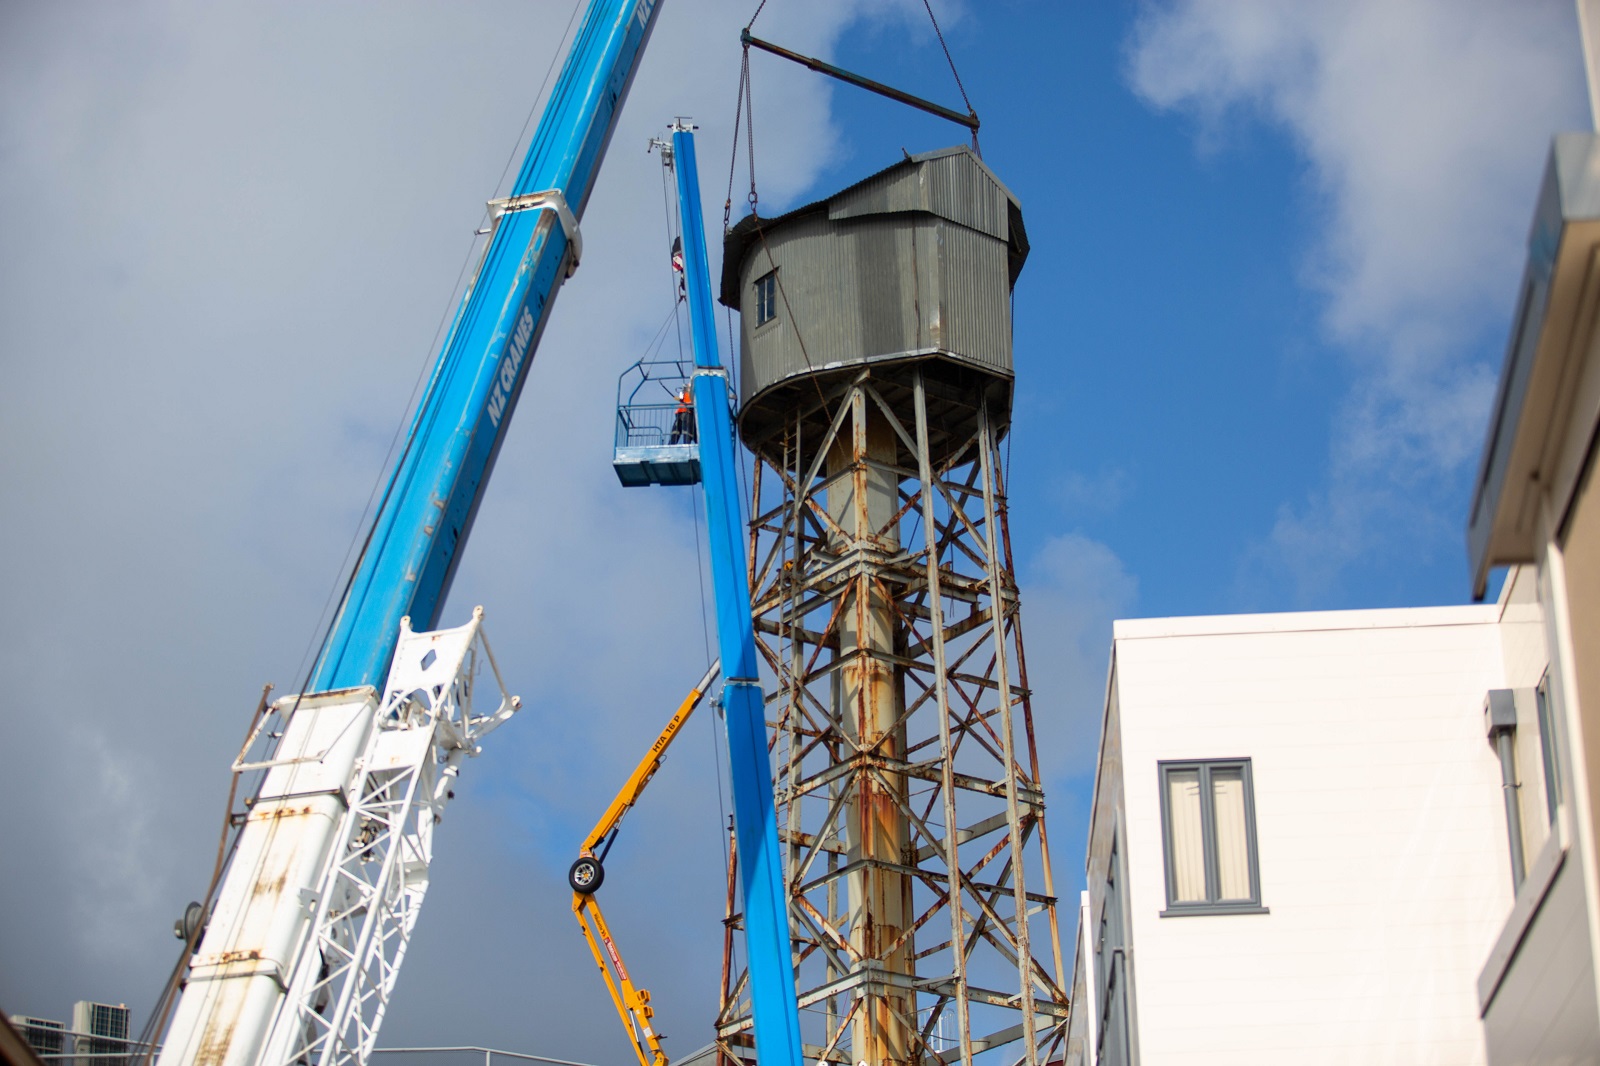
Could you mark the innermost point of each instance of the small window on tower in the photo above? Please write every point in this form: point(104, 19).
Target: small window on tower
point(766, 297)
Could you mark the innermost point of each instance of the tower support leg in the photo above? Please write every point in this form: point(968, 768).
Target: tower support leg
point(863, 500)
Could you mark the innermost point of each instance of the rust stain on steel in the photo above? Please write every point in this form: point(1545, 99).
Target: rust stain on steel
point(273, 887)
point(226, 958)
point(274, 813)
point(214, 1045)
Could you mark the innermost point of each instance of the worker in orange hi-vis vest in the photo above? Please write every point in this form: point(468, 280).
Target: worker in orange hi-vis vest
point(683, 418)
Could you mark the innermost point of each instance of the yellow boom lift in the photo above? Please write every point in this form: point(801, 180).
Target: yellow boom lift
point(587, 874)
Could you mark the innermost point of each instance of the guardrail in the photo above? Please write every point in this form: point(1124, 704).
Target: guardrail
point(487, 1053)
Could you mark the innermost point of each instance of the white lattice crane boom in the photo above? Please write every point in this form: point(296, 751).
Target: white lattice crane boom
point(332, 861)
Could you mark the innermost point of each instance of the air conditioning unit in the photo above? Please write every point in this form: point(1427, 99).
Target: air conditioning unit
point(43, 1035)
point(100, 1033)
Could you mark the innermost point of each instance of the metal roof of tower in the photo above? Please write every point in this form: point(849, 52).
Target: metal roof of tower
point(939, 183)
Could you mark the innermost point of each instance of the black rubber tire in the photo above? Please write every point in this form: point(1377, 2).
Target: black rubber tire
point(586, 875)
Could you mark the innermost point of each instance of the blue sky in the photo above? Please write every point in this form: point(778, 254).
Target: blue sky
point(1179, 381)
point(1274, 249)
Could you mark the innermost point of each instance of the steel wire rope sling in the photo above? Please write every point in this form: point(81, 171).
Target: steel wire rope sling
point(969, 120)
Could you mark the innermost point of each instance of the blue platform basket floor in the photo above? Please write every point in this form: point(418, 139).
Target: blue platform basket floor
point(659, 464)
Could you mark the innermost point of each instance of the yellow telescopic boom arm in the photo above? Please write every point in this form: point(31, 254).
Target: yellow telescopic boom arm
point(647, 767)
point(632, 1002)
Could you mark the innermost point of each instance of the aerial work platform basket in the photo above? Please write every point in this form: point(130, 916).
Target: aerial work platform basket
point(657, 441)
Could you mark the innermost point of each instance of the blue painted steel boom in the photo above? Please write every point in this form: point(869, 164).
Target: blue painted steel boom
point(432, 495)
point(772, 990)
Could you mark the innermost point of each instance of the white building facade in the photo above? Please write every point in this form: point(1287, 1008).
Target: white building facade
point(1300, 848)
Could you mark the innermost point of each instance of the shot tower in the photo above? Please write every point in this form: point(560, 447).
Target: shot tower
point(875, 389)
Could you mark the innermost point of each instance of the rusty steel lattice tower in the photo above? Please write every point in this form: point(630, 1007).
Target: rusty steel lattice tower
point(875, 389)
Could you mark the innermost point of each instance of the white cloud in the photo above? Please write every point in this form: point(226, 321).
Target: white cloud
point(1424, 126)
point(1100, 493)
point(1073, 588)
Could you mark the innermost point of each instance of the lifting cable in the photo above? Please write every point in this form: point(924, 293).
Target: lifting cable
point(969, 120)
point(674, 239)
point(744, 104)
point(937, 32)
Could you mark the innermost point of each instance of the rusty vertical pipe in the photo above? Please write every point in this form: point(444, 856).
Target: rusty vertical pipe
point(863, 502)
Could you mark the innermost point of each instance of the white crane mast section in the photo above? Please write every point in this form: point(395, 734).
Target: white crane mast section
point(259, 920)
point(312, 920)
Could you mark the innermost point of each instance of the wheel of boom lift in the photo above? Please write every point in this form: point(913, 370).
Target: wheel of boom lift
point(586, 875)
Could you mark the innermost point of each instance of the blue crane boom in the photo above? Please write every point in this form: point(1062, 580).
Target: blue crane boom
point(432, 495)
point(772, 988)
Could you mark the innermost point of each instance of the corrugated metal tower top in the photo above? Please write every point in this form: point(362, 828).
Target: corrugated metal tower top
point(952, 183)
point(906, 275)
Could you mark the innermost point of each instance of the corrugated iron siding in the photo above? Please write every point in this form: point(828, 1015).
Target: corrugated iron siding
point(949, 186)
point(912, 262)
point(974, 283)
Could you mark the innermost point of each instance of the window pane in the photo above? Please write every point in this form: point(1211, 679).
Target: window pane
point(1233, 841)
point(766, 298)
point(1186, 849)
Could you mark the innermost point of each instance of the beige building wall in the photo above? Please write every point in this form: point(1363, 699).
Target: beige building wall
point(1535, 508)
point(1536, 991)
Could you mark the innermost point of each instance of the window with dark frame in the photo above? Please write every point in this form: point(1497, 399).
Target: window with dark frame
point(766, 297)
point(1208, 837)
